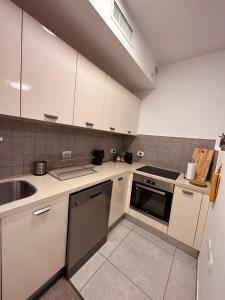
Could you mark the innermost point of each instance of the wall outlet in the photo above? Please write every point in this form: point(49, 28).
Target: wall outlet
point(140, 153)
point(112, 151)
point(66, 154)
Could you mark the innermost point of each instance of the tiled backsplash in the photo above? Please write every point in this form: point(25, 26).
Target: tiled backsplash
point(166, 152)
point(24, 142)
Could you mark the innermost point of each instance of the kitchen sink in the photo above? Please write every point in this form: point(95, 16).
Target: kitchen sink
point(15, 190)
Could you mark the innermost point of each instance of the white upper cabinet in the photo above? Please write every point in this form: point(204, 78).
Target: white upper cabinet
point(48, 75)
point(121, 110)
point(113, 118)
point(132, 112)
point(10, 58)
point(89, 95)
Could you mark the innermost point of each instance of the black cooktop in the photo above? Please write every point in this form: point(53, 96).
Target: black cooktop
point(160, 172)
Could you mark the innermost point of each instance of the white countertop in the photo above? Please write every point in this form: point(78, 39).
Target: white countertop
point(48, 187)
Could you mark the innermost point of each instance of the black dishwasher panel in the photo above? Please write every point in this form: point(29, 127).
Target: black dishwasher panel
point(88, 224)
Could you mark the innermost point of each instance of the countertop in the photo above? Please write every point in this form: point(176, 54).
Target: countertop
point(48, 187)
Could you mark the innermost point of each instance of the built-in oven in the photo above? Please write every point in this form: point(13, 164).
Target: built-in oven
point(152, 197)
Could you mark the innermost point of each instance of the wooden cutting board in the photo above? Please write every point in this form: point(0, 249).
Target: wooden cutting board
point(203, 158)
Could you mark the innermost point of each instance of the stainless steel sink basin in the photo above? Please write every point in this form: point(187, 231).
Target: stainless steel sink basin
point(14, 190)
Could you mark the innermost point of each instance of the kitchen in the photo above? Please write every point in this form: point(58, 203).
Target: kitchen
point(96, 136)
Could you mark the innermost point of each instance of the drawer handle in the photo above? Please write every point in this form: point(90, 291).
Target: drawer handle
point(128, 131)
point(121, 178)
point(95, 195)
point(112, 128)
point(51, 116)
point(188, 193)
point(41, 211)
point(89, 124)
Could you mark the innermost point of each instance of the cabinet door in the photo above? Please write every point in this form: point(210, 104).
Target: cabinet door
point(89, 95)
point(184, 215)
point(121, 110)
point(132, 112)
point(33, 248)
point(10, 57)
point(48, 73)
point(113, 117)
point(118, 199)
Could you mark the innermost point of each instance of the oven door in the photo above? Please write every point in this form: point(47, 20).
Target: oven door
point(152, 202)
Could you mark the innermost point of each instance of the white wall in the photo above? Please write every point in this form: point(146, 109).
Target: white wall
point(140, 50)
point(211, 285)
point(189, 100)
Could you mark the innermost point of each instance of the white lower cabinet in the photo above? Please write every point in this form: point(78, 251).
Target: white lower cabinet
point(33, 248)
point(118, 199)
point(184, 215)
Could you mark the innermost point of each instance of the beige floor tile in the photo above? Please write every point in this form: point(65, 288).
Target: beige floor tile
point(114, 239)
point(182, 282)
point(127, 223)
point(146, 264)
point(154, 239)
point(110, 284)
point(186, 258)
point(87, 271)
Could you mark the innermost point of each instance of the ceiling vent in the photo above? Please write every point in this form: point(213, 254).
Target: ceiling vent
point(122, 23)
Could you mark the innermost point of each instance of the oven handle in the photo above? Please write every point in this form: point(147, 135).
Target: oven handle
point(149, 189)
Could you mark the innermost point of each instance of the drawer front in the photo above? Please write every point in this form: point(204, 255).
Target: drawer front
point(33, 248)
point(184, 215)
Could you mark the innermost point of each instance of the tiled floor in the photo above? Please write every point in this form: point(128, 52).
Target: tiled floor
point(134, 264)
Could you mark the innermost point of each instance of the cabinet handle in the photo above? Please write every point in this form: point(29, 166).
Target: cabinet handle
point(112, 128)
point(128, 131)
point(188, 193)
point(121, 178)
point(89, 124)
point(95, 195)
point(41, 211)
point(51, 117)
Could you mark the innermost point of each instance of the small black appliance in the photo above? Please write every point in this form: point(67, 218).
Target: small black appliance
point(128, 157)
point(98, 157)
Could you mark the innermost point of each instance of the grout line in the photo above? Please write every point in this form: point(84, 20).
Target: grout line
point(130, 280)
point(93, 273)
point(119, 242)
point(169, 274)
point(105, 258)
point(155, 243)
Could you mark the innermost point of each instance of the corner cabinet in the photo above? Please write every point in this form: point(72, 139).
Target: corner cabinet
point(10, 57)
point(48, 75)
point(118, 198)
point(89, 95)
point(33, 248)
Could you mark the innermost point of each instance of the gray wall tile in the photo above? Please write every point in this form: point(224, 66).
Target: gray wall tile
point(26, 141)
point(165, 152)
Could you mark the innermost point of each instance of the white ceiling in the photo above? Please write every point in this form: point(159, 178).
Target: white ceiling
point(178, 29)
